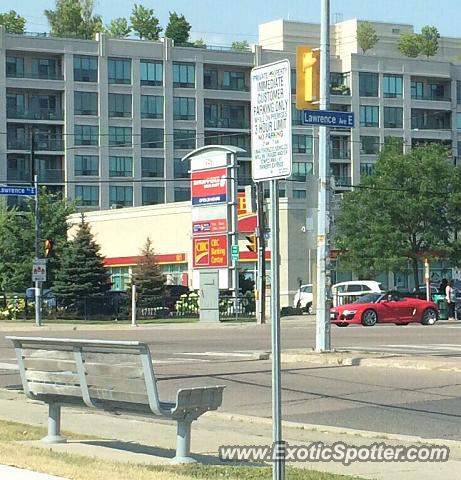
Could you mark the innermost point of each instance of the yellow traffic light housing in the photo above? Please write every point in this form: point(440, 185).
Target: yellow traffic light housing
point(307, 78)
point(48, 244)
point(252, 243)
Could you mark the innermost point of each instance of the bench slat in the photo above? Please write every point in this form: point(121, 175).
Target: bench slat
point(49, 365)
point(52, 377)
point(126, 371)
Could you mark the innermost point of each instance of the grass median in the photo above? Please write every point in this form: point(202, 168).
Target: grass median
point(76, 467)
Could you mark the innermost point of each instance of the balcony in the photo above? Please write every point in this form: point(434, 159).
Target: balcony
point(226, 123)
point(340, 154)
point(42, 114)
point(47, 144)
point(430, 119)
point(35, 75)
point(436, 92)
point(44, 176)
point(342, 182)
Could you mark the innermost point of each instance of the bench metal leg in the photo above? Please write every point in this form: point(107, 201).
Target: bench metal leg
point(54, 425)
point(183, 443)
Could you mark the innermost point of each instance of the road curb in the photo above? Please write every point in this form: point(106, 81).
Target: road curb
point(368, 359)
point(409, 439)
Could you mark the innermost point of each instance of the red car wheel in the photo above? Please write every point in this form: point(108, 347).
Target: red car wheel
point(369, 318)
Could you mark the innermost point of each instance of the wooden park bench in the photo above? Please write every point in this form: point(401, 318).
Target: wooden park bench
point(108, 375)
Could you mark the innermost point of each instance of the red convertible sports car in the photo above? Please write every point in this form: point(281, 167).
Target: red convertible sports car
point(388, 307)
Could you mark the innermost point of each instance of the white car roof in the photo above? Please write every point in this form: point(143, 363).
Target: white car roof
point(368, 283)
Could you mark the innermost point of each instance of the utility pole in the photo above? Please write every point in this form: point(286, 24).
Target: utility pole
point(38, 285)
point(261, 276)
point(322, 339)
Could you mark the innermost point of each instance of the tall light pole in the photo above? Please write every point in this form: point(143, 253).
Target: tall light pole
point(322, 338)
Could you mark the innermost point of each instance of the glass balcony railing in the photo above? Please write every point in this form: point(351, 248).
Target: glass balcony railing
point(226, 123)
point(340, 154)
point(35, 75)
point(44, 176)
point(49, 144)
point(342, 181)
point(43, 114)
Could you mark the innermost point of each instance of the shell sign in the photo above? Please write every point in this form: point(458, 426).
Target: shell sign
point(210, 252)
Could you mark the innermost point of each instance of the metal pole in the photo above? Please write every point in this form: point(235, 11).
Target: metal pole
point(133, 306)
point(322, 340)
point(278, 466)
point(261, 274)
point(38, 285)
point(233, 236)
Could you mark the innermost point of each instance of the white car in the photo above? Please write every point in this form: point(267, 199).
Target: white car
point(303, 298)
point(347, 292)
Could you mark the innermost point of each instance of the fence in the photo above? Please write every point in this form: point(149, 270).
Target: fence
point(117, 306)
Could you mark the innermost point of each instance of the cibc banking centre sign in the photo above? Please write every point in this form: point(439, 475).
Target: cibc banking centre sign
point(271, 121)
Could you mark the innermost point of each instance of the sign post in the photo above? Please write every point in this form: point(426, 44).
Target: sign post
point(271, 160)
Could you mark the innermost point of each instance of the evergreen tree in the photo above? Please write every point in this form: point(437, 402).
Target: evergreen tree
point(146, 275)
point(82, 273)
point(366, 36)
point(13, 22)
point(74, 18)
point(145, 23)
point(118, 28)
point(178, 28)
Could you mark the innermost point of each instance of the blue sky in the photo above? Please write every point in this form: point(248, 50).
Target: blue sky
point(220, 22)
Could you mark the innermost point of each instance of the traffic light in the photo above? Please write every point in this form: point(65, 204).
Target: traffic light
point(307, 78)
point(253, 243)
point(48, 247)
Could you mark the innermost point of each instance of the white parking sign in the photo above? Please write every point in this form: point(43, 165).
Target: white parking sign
point(39, 270)
point(271, 121)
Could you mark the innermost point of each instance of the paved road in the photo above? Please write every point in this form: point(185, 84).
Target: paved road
point(397, 401)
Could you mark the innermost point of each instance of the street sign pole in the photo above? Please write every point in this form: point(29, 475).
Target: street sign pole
point(322, 339)
point(278, 470)
point(38, 284)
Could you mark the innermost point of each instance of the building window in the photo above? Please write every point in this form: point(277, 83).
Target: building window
point(368, 84)
point(369, 116)
point(296, 115)
point(120, 278)
point(367, 168)
point(119, 195)
point(339, 147)
point(458, 121)
point(458, 92)
point(85, 103)
point(183, 108)
point(210, 79)
point(299, 194)
point(151, 73)
point(86, 165)
point(417, 90)
point(119, 105)
point(85, 68)
point(234, 81)
point(302, 144)
point(153, 195)
point(370, 145)
point(86, 195)
point(393, 117)
point(181, 194)
point(152, 167)
point(393, 86)
point(151, 137)
point(184, 139)
point(151, 106)
point(181, 168)
point(293, 82)
point(120, 136)
point(184, 75)
point(46, 68)
point(119, 70)
point(86, 135)
point(120, 166)
point(300, 171)
point(15, 67)
point(340, 83)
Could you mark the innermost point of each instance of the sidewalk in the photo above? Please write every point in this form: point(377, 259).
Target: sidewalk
point(11, 473)
point(151, 441)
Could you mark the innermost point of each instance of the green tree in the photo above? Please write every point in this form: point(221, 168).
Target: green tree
point(409, 44)
point(146, 275)
point(409, 208)
point(199, 43)
point(243, 45)
point(366, 36)
point(429, 40)
point(74, 18)
point(17, 239)
point(118, 28)
point(13, 22)
point(178, 28)
point(82, 274)
point(145, 23)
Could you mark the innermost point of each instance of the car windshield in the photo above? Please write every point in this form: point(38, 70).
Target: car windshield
point(306, 289)
point(369, 298)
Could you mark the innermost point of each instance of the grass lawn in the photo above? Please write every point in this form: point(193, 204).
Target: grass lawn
point(78, 467)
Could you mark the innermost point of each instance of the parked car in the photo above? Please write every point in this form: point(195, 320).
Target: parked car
point(387, 307)
point(347, 292)
point(420, 292)
point(304, 298)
